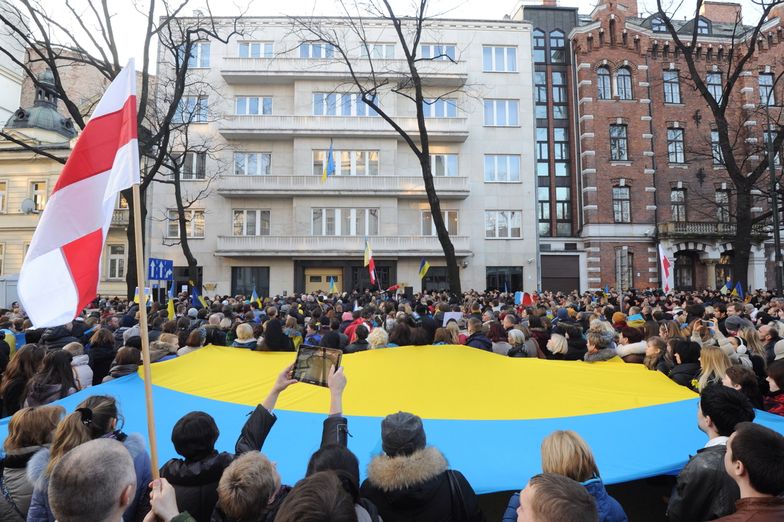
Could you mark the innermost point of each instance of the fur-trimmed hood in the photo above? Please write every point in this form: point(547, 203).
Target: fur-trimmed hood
point(406, 471)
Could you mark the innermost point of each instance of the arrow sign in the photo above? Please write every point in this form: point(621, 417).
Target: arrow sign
point(160, 269)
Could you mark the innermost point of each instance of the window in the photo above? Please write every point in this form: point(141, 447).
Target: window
point(116, 261)
point(443, 165)
point(559, 95)
point(438, 52)
point(715, 86)
point(678, 204)
point(622, 204)
point(723, 206)
point(563, 211)
point(502, 167)
point(344, 221)
point(624, 269)
point(560, 144)
point(191, 109)
point(768, 137)
point(3, 196)
point(501, 113)
point(316, 50)
point(557, 46)
point(244, 279)
point(499, 59)
point(543, 210)
point(347, 162)
point(672, 87)
point(340, 104)
point(194, 224)
point(504, 278)
point(503, 224)
point(766, 94)
point(540, 90)
point(2, 258)
point(619, 143)
point(378, 50)
point(200, 56)
point(193, 165)
point(703, 26)
point(539, 46)
point(603, 83)
point(623, 79)
point(252, 105)
point(716, 154)
point(450, 220)
point(658, 25)
point(256, 50)
point(675, 145)
point(542, 146)
point(684, 271)
point(252, 163)
point(251, 222)
point(38, 194)
point(440, 108)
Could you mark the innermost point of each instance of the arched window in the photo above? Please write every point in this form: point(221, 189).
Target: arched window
point(623, 86)
point(603, 84)
point(557, 46)
point(658, 26)
point(539, 46)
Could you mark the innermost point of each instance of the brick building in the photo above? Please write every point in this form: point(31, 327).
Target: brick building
point(650, 171)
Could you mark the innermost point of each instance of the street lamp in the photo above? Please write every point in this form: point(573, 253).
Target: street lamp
point(774, 196)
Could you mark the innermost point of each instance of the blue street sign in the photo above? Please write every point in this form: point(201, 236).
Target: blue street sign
point(160, 269)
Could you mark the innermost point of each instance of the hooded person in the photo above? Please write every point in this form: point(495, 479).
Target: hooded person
point(412, 481)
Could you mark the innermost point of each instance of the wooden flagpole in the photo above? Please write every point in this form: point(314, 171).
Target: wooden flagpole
point(143, 331)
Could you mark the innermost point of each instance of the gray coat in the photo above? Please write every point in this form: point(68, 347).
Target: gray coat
point(605, 354)
point(16, 483)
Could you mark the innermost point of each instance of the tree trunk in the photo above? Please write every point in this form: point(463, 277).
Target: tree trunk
point(193, 264)
point(130, 269)
point(741, 244)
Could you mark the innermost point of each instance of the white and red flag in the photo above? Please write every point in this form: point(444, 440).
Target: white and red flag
point(668, 273)
point(60, 273)
point(370, 263)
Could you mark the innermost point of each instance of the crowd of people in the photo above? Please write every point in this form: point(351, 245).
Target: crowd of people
point(728, 351)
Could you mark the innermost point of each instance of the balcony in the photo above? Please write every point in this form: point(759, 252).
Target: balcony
point(255, 71)
point(408, 187)
point(120, 218)
point(286, 127)
point(694, 230)
point(336, 246)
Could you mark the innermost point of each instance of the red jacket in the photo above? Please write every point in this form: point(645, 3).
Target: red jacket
point(350, 330)
point(774, 403)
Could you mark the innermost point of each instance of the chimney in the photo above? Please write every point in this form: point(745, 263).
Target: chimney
point(631, 7)
point(721, 12)
point(550, 3)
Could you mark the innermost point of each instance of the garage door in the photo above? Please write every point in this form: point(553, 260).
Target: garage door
point(560, 273)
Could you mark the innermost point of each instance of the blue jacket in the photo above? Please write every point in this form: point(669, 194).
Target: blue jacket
point(609, 509)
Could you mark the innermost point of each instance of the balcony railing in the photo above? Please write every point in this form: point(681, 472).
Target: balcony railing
point(120, 217)
point(687, 229)
point(336, 246)
point(237, 70)
point(286, 186)
point(282, 127)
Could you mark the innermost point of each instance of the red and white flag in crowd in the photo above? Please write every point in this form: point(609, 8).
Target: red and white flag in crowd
point(60, 273)
point(668, 273)
point(370, 263)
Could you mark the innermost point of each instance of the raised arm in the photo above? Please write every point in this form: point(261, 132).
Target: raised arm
point(335, 430)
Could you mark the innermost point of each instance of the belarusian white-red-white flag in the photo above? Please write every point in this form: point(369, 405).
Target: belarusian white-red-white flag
point(60, 273)
point(667, 271)
point(370, 263)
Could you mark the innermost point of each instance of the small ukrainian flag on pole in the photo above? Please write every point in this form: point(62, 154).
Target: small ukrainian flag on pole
point(329, 168)
point(424, 266)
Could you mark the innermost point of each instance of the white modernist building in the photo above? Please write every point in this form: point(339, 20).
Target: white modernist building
point(269, 106)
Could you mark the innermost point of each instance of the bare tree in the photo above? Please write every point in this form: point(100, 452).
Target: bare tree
point(745, 161)
point(85, 36)
point(372, 79)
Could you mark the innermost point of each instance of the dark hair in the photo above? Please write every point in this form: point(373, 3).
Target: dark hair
point(196, 338)
point(55, 369)
point(726, 407)
point(561, 498)
point(443, 335)
point(128, 355)
point(634, 335)
point(749, 386)
point(330, 339)
point(400, 335)
point(776, 372)
point(194, 435)
point(761, 450)
point(134, 341)
point(23, 365)
point(497, 334)
point(688, 350)
point(274, 337)
point(334, 457)
point(361, 332)
point(103, 338)
point(321, 497)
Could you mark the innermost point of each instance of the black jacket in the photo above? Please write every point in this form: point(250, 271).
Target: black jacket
point(479, 340)
point(14, 396)
point(215, 336)
point(576, 348)
point(703, 491)
point(101, 358)
point(356, 346)
point(57, 337)
point(683, 374)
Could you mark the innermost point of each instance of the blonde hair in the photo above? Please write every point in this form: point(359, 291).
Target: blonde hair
point(561, 345)
point(244, 332)
point(752, 340)
point(567, 454)
point(94, 418)
point(247, 485)
point(74, 348)
point(714, 363)
point(378, 338)
point(454, 330)
point(32, 427)
point(169, 338)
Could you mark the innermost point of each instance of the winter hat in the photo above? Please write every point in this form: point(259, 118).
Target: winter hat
point(735, 323)
point(194, 435)
point(347, 316)
point(618, 317)
point(193, 313)
point(402, 434)
point(562, 313)
point(778, 350)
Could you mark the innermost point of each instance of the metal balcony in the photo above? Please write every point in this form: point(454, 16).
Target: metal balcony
point(409, 187)
point(286, 127)
point(255, 71)
point(336, 246)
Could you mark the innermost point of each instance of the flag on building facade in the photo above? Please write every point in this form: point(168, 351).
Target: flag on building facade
point(64, 257)
point(424, 266)
point(370, 263)
point(329, 166)
point(667, 271)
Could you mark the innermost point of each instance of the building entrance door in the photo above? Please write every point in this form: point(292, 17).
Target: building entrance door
point(319, 279)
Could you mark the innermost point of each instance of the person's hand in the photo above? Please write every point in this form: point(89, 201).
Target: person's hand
point(163, 501)
point(284, 380)
point(336, 380)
